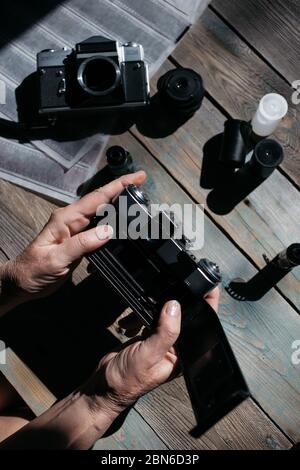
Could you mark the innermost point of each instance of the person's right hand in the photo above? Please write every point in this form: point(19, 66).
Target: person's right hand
point(139, 366)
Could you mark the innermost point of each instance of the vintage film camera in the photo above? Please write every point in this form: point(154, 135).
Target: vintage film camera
point(98, 74)
point(146, 273)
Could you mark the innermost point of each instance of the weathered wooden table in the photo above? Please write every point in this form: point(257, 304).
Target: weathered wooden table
point(243, 50)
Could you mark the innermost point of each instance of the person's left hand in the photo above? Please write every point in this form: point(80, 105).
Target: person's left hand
point(57, 250)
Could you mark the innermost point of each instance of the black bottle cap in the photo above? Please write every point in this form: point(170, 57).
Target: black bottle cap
point(116, 156)
point(267, 156)
point(268, 153)
point(293, 253)
point(182, 88)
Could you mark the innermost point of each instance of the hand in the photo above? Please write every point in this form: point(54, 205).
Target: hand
point(140, 366)
point(57, 250)
point(131, 324)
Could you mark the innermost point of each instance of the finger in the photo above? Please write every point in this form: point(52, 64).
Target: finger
point(213, 297)
point(83, 243)
point(155, 347)
point(87, 206)
point(74, 218)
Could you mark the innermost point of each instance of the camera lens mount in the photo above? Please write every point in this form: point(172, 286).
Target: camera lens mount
point(98, 75)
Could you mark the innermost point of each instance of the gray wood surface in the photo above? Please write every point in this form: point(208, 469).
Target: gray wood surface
point(160, 185)
point(237, 78)
point(265, 24)
point(245, 428)
point(134, 434)
point(261, 333)
point(265, 223)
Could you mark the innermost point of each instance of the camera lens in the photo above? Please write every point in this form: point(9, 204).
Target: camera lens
point(182, 87)
point(98, 75)
point(182, 83)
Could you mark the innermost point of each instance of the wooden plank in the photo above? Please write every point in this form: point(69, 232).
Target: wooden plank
point(245, 428)
point(135, 433)
point(23, 214)
point(237, 78)
point(260, 333)
point(263, 24)
point(266, 223)
point(27, 384)
point(157, 186)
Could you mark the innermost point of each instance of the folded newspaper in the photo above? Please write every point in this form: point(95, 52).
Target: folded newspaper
point(55, 168)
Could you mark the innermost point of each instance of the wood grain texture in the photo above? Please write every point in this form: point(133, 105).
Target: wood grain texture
point(265, 223)
point(237, 78)
point(264, 24)
point(260, 333)
point(245, 428)
point(27, 384)
point(160, 185)
point(135, 434)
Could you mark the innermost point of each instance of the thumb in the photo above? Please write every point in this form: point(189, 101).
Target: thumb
point(86, 242)
point(156, 346)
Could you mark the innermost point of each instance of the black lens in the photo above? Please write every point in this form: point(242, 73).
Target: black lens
point(269, 153)
point(182, 83)
point(293, 253)
point(182, 87)
point(116, 156)
point(98, 75)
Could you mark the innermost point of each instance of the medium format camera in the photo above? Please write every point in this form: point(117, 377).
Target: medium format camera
point(98, 74)
point(148, 271)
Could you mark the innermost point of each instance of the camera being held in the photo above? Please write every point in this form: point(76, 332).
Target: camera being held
point(146, 272)
point(98, 74)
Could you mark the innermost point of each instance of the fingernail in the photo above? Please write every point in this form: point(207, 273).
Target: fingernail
point(104, 232)
point(173, 308)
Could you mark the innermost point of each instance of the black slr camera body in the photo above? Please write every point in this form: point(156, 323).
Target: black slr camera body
point(98, 74)
point(147, 272)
